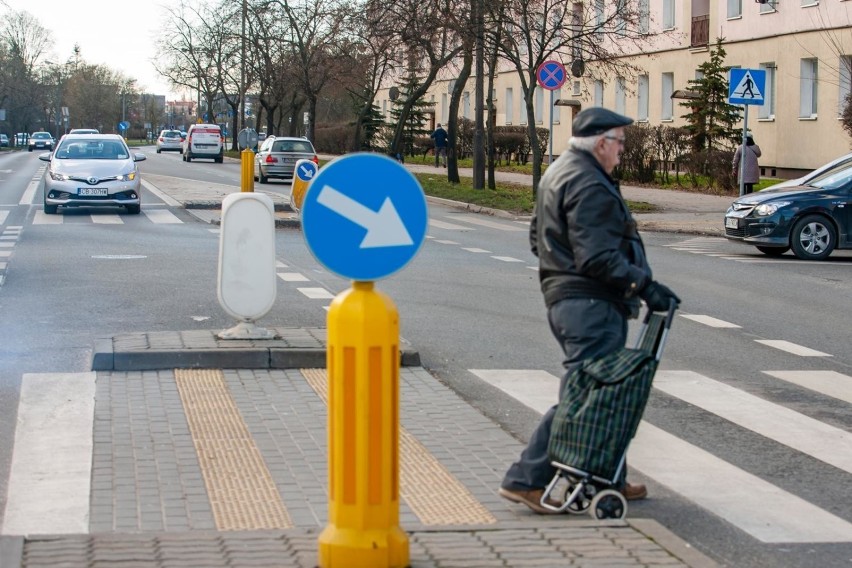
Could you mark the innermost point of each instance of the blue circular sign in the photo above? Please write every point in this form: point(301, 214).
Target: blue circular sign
point(551, 75)
point(306, 170)
point(364, 216)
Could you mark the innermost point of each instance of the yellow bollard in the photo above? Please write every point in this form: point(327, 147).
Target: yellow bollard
point(363, 433)
point(247, 170)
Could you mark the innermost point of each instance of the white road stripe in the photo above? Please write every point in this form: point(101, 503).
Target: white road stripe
point(450, 226)
point(3, 265)
point(293, 277)
point(792, 348)
point(709, 321)
point(162, 196)
point(507, 258)
point(29, 193)
point(279, 264)
point(107, 219)
point(162, 216)
point(49, 480)
point(475, 220)
point(3, 215)
point(802, 433)
point(444, 242)
point(474, 249)
point(316, 293)
point(757, 507)
point(41, 218)
point(6, 244)
point(6, 237)
point(829, 383)
point(5, 253)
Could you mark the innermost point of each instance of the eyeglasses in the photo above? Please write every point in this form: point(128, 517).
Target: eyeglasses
point(616, 138)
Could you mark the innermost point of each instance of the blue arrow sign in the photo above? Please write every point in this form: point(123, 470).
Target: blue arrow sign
point(746, 86)
point(551, 75)
point(306, 170)
point(364, 216)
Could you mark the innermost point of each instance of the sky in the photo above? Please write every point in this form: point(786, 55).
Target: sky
point(117, 33)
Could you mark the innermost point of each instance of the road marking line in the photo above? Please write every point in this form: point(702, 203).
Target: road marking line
point(4, 214)
point(7, 244)
point(5, 253)
point(450, 226)
point(279, 264)
point(109, 219)
point(792, 348)
point(293, 277)
point(444, 242)
point(162, 217)
point(168, 200)
point(42, 218)
point(757, 507)
point(316, 293)
point(9, 237)
point(474, 249)
point(830, 383)
point(29, 193)
point(507, 259)
point(485, 223)
point(802, 433)
point(49, 481)
point(709, 321)
point(3, 265)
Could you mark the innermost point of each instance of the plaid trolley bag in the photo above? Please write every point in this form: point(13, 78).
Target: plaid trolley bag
point(596, 418)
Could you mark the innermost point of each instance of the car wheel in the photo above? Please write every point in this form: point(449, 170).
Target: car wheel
point(158, 150)
point(134, 209)
point(773, 251)
point(263, 178)
point(187, 158)
point(219, 160)
point(50, 209)
point(813, 238)
point(29, 149)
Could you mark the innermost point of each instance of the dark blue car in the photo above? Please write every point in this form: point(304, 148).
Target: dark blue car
point(813, 220)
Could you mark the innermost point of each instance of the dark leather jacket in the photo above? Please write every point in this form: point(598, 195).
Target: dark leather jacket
point(585, 237)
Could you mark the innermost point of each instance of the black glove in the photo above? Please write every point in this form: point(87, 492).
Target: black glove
point(658, 296)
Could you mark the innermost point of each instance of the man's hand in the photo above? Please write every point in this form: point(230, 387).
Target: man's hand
point(658, 296)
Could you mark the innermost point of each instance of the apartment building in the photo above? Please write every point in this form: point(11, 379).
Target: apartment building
point(805, 47)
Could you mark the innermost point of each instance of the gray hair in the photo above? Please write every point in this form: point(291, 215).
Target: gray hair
point(587, 143)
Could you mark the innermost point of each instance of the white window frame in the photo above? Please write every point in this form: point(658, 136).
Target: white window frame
point(735, 9)
point(599, 93)
point(666, 102)
point(620, 95)
point(466, 105)
point(766, 111)
point(808, 92)
point(522, 119)
point(538, 106)
point(509, 105)
point(557, 114)
point(668, 14)
point(643, 91)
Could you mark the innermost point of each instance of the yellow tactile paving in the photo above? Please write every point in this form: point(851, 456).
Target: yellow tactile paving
point(242, 493)
point(432, 493)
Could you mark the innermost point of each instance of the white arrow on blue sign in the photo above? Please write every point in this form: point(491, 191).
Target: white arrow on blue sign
point(305, 170)
point(364, 216)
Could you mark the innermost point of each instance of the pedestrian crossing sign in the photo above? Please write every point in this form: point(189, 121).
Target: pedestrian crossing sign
point(746, 86)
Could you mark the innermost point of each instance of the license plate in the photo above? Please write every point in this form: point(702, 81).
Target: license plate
point(96, 191)
point(732, 222)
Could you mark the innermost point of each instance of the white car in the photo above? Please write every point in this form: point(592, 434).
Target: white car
point(204, 141)
point(170, 140)
point(840, 163)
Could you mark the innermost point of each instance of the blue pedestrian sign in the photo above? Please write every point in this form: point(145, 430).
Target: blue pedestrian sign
point(364, 216)
point(306, 170)
point(551, 75)
point(746, 86)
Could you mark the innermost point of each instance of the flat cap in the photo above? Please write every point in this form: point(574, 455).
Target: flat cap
point(597, 120)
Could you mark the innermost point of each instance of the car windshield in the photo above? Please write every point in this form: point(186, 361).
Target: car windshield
point(40, 135)
point(92, 150)
point(834, 178)
point(171, 134)
point(292, 146)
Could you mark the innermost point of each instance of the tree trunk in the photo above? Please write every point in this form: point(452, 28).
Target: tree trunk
point(453, 121)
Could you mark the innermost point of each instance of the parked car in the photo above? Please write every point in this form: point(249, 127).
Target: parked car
point(84, 131)
point(813, 219)
point(21, 139)
point(277, 157)
point(40, 141)
point(204, 141)
point(92, 170)
point(170, 140)
point(839, 163)
point(4, 140)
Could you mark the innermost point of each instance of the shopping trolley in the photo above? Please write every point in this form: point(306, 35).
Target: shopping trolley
point(596, 418)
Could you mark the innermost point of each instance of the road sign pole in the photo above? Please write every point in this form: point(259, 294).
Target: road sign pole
point(363, 433)
point(550, 158)
point(742, 151)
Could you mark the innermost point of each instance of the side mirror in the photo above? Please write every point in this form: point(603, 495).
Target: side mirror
point(139, 157)
point(44, 157)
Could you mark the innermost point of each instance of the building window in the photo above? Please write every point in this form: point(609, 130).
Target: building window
point(735, 8)
point(668, 14)
point(576, 88)
point(598, 100)
point(539, 106)
point(466, 104)
point(845, 82)
point(620, 20)
point(644, 16)
point(642, 112)
point(768, 7)
point(557, 94)
point(523, 117)
point(808, 88)
point(443, 107)
point(509, 103)
point(620, 95)
point(385, 107)
point(599, 18)
point(666, 103)
point(767, 109)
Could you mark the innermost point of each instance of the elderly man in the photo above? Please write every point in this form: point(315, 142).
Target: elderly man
point(592, 269)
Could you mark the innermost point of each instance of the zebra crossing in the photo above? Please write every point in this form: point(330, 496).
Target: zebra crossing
point(158, 216)
point(720, 247)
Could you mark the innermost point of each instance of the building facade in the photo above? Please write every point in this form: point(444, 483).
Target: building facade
point(804, 46)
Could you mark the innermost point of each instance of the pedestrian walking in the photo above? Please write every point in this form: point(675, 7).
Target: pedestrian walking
point(440, 138)
point(750, 169)
point(593, 272)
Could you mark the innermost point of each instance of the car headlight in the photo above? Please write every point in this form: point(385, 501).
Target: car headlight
point(765, 209)
point(57, 176)
point(127, 177)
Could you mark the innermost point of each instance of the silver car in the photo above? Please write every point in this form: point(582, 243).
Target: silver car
point(92, 170)
point(170, 140)
point(277, 157)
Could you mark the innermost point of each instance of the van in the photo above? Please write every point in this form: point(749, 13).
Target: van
point(204, 141)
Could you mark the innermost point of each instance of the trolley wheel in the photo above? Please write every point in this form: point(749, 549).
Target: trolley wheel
point(608, 504)
point(584, 499)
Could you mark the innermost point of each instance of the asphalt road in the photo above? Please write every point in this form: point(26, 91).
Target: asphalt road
point(470, 303)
